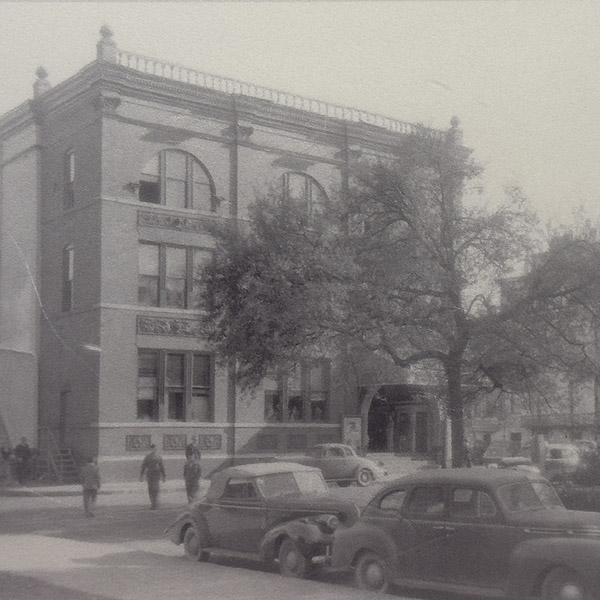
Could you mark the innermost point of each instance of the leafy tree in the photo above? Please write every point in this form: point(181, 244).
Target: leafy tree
point(403, 264)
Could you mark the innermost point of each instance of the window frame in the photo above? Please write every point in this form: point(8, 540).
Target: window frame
point(69, 174)
point(161, 405)
point(310, 184)
point(163, 177)
point(68, 276)
point(190, 281)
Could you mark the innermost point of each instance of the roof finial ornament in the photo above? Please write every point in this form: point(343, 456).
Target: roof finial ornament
point(41, 84)
point(106, 48)
point(455, 134)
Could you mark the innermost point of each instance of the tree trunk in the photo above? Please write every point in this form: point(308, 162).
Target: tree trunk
point(455, 411)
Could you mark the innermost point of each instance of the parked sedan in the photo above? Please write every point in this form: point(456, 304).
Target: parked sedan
point(340, 463)
point(488, 532)
point(268, 511)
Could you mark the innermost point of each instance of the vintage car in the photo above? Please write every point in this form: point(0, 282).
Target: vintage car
point(487, 532)
point(266, 511)
point(341, 464)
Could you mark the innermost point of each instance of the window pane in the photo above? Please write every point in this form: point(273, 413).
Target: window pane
point(427, 501)
point(176, 404)
point(201, 196)
point(148, 275)
point(151, 168)
point(273, 407)
point(296, 186)
point(200, 259)
point(317, 411)
point(295, 406)
point(174, 371)
point(149, 191)
point(147, 395)
point(176, 165)
point(201, 371)
point(175, 193)
point(200, 407)
point(175, 277)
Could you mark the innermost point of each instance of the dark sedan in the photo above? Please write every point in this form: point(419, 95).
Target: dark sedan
point(265, 511)
point(488, 532)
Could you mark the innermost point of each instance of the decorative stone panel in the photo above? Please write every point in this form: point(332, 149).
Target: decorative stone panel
point(168, 326)
point(174, 441)
point(209, 442)
point(174, 222)
point(137, 442)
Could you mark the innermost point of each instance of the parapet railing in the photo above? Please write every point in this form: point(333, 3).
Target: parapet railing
point(152, 66)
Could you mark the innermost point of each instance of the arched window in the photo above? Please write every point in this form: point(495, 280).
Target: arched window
point(304, 188)
point(177, 179)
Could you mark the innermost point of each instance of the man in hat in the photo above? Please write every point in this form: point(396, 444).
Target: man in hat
point(90, 480)
point(153, 468)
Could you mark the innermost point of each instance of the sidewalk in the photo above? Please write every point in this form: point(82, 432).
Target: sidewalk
point(396, 466)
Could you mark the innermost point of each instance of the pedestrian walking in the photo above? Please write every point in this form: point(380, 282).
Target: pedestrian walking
point(191, 475)
point(192, 450)
point(90, 480)
point(22, 454)
point(153, 468)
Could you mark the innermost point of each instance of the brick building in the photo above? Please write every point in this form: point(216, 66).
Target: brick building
point(108, 180)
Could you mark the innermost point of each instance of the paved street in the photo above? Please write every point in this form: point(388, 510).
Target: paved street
point(52, 552)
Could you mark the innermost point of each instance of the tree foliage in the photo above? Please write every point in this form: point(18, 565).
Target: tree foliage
point(404, 265)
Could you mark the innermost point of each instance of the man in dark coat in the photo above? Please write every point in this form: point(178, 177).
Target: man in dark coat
point(22, 455)
point(192, 450)
point(191, 476)
point(154, 470)
point(90, 480)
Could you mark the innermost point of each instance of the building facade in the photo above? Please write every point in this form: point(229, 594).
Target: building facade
point(109, 180)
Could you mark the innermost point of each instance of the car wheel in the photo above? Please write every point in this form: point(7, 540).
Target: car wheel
point(564, 584)
point(292, 563)
point(364, 477)
point(192, 545)
point(371, 573)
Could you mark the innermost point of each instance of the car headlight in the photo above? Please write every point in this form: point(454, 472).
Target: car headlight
point(328, 523)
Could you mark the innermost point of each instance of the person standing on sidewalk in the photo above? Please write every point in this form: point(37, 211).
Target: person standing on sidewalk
point(191, 476)
point(90, 480)
point(22, 455)
point(153, 468)
point(192, 450)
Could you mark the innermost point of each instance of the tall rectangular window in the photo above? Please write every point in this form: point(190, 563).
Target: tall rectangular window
point(174, 386)
point(148, 274)
point(69, 180)
point(305, 393)
point(67, 278)
point(147, 396)
point(171, 275)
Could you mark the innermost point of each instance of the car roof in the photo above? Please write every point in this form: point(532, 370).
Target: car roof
point(219, 479)
point(468, 476)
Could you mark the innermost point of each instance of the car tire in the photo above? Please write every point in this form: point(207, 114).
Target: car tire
point(292, 563)
point(371, 573)
point(364, 477)
point(564, 584)
point(192, 545)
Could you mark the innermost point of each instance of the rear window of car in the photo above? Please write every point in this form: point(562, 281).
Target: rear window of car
point(393, 501)
point(426, 501)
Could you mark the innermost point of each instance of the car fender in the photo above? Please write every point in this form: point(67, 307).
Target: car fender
point(531, 560)
point(176, 531)
point(305, 532)
point(352, 541)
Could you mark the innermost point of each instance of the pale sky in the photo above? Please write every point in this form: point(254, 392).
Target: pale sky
point(523, 77)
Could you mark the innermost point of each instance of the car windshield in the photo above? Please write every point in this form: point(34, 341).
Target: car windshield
point(518, 497)
point(286, 484)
